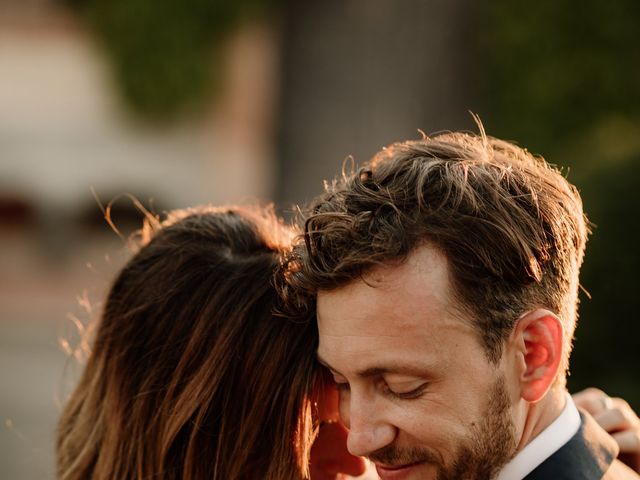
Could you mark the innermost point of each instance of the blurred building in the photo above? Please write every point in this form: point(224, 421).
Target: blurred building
point(64, 131)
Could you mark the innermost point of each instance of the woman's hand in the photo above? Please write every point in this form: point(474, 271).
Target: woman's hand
point(617, 418)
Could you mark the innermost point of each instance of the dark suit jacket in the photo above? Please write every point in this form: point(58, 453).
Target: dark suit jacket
point(589, 455)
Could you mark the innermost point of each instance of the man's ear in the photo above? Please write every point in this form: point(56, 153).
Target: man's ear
point(538, 339)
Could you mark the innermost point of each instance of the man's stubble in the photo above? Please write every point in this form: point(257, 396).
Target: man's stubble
point(491, 443)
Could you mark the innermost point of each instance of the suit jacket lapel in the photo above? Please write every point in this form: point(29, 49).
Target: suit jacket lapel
point(587, 455)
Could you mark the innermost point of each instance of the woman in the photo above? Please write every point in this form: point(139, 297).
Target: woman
point(191, 376)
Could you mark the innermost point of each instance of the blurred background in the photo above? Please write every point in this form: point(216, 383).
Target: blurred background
point(179, 102)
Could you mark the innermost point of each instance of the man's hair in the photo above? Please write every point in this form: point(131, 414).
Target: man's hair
point(510, 225)
point(190, 375)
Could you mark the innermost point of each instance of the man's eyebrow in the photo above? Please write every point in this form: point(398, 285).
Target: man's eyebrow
point(376, 371)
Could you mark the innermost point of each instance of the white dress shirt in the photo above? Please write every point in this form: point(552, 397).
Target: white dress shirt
point(550, 440)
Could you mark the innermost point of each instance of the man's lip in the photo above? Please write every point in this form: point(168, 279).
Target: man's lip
point(395, 472)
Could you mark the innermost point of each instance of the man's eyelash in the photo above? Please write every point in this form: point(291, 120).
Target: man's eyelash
point(411, 395)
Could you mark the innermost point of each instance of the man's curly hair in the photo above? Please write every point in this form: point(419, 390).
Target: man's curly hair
point(510, 225)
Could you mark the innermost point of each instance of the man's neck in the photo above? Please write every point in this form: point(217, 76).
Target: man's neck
point(541, 414)
point(548, 425)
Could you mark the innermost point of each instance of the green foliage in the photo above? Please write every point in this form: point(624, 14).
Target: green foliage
point(555, 67)
point(164, 52)
point(607, 347)
point(563, 78)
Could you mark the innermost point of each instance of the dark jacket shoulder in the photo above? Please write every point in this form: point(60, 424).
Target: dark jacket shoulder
point(589, 455)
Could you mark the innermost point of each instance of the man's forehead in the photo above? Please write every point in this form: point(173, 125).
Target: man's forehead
point(403, 296)
point(425, 265)
point(408, 313)
point(377, 365)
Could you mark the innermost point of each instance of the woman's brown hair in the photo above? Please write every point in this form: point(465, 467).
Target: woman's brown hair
point(190, 375)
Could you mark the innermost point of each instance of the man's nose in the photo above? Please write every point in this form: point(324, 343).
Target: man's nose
point(368, 432)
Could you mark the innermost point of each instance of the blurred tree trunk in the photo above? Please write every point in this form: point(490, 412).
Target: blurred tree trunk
point(360, 74)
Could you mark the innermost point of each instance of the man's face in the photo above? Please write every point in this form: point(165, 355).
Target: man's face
point(417, 392)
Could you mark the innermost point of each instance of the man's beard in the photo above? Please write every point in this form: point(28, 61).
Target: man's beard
point(490, 444)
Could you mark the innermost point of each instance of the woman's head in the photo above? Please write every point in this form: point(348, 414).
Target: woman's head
point(190, 375)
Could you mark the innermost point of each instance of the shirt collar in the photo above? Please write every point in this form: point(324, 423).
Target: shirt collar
point(544, 444)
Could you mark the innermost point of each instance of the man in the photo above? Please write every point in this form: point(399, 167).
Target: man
point(444, 275)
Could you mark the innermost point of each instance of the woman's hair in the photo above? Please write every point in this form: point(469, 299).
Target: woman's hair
point(191, 375)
